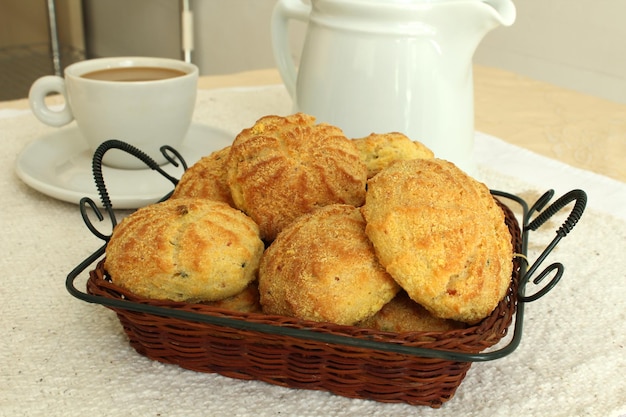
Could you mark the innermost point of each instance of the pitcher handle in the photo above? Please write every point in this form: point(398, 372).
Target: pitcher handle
point(285, 10)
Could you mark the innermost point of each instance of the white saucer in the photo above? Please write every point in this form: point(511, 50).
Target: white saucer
point(59, 165)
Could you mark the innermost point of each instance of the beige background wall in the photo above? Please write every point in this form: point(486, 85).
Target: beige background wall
point(236, 35)
point(579, 44)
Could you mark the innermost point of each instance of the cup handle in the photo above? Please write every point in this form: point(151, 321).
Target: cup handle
point(44, 86)
point(284, 10)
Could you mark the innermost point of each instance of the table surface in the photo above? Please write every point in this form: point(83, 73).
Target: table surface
point(61, 356)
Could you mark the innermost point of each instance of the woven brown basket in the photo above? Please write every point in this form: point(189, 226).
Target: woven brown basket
point(296, 362)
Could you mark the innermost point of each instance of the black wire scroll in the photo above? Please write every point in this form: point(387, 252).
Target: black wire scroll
point(580, 199)
point(527, 270)
point(171, 155)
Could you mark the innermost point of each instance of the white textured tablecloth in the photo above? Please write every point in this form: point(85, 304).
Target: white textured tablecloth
point(62, 357)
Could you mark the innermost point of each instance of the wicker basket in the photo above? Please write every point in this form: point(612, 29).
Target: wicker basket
point(352, 369)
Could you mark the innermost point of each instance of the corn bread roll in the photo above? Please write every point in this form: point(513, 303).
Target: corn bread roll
point(441, 236)
point(402, 315)
point(322, 267)
point(185, 250)
point(283, 167)
point(246, 301)
point(379, 150)
point(207, 178)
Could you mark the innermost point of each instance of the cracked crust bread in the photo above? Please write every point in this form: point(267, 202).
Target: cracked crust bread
point(323, 267)
point(185, 250)
point(441, 236)
point(379, 150)
point(246, 301)
point(283, 167)
point(402, 315)
point(207, 178)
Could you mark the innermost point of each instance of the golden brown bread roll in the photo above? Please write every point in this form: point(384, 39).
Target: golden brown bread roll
point(322, 267)
point(442, 237)
point(246, 301)
point(402, 315)
point(283, 167)
point(379, 150)
point(185, 250)
point(207, 178)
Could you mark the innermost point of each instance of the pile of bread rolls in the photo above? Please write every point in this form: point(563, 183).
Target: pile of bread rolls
point(296, 219)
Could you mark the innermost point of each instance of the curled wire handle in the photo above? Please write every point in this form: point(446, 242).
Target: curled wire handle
point(575, 195)
point(173, 157)
point(87, 202)
point(170, 154)
point(559, 268)
point(541, 202)
point(118, 144)
point(580, 198)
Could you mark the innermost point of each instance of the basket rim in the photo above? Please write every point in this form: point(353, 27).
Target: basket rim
point(471, 341)
point(100, 279)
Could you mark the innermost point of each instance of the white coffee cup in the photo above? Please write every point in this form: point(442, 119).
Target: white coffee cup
point(146, 102)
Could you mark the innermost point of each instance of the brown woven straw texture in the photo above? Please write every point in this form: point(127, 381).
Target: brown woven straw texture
point(294, 362)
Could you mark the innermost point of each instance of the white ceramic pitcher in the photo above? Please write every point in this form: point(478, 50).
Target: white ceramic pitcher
point(390, 65)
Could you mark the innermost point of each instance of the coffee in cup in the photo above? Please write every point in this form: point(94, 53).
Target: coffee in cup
point(134, 74)
point(146, 102)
